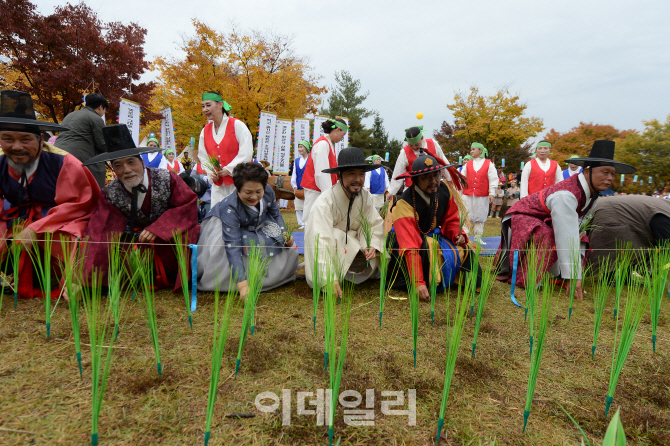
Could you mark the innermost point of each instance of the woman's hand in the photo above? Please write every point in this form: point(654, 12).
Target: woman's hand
point(243, 288)
point(288, 242)
point(223, 172)
point(214, 177)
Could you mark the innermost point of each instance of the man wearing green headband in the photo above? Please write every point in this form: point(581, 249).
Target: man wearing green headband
point(415, 143)
point(482, 179)
point(540, 172)
point(573, 169)
point(296, 180)
point(377, 182)
point(224, 143)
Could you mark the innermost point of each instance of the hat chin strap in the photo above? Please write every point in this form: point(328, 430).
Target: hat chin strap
point(597, 192)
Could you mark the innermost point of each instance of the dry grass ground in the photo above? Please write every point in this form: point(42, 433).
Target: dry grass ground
point(43, 400)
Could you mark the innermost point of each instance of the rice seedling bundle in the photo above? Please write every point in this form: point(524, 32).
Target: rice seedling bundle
point(622, 269)
point(256, 272)
point(116, 278)
point(655, 282)
point(316, 280)
point(615, 435)
point(410, 280)
point(601, 289)
point(435, 255)
point(453, 343)
point(473, 292)
point(15, 253)
point(218, 343)
point(98, 317)
point(636, 305)
point(42, 264)
point(181, 251)
point(146, 269)
point(366, 229)
point(534, 259)
point(71, 270)
point(575, 254)
point(212, 164)
point(545, 306)
point(488, 277)
point(383, 270)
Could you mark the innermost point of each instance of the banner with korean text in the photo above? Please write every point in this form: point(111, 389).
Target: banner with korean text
point(266, 136)
point(282, 147)
point(129, 114)
point(167, 131)
point(318, 130)
point(345, 141)
point(300, 133)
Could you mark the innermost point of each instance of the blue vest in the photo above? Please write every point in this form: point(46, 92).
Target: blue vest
point(40, 191)
point(566, 173)
point(156, 163)
point(299, 172)
point(377, 181)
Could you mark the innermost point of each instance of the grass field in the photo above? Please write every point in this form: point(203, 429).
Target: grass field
point(44, 402)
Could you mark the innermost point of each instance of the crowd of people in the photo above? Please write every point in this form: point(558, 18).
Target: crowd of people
point(222, 201)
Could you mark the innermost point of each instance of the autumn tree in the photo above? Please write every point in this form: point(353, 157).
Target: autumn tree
point(346, 99)
point(252, 71)
point(579, 139)
point(497, 121)
point(452, 146)
point(60, 57)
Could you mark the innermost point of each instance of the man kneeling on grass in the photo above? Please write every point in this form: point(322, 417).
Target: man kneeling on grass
point(346, 224)
point(425, 219)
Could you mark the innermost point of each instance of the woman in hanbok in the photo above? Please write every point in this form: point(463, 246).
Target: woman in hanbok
point(296, 181)
point(251, 215)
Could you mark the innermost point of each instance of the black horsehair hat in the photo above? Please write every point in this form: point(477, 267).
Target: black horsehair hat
point(18, 114)
point(602, 154)
point(423, 164)
point(351, 158)
point(119, 145)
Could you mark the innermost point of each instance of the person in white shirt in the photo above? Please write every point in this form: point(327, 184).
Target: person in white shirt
point(296, 180)
point(154, 159)
point(482, 179)
point(377, 182)
point(224, 138)
point(540, 172)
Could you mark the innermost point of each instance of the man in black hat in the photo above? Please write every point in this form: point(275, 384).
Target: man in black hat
point(425, 219)
point(44, 189)
point(338, 218)
point(550, 219)
point(145, 204)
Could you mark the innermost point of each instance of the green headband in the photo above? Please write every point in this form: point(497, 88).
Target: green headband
point(217, 98)
point(417, 138)
point(169, 151)
point(374, 158)
point(477, 145)
point(306, 144)
point(468, 157)
point(543, 144)
point(571, 157)
point(339, 124)
point(154, 140)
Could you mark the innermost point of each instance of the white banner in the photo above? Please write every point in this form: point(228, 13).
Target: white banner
point(129, 114)
point(300, 133)
point(345, 141)
point(282, 147)
point(167, 131)
point(318, 130)
point(266, 136)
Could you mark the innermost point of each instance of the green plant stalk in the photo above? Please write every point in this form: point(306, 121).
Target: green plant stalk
point(43, 268)
point(410, 280)
point(622, 269)
point(366, 229)
point(615, 435)
point(69, 267)
point(435, 271)
point(316, 281)
point(636, 305)
point(98, 317)
point(328, 314)
point(181, 251)
point(385, 259)
point(116, 278)
point(576, 258)
point(212, 164)
point(337, 363)
point(218, 343)
point(473, 291)
point(655, 282)
point(533, 261)
point(488, 277)
point(256, 272)
point(16, 259)
point(547, 296)
point(601, 290)
point(453, 343)
point(147, 272)
point(576, 424)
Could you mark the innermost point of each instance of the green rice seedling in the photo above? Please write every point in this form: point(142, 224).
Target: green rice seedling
point(577, 425)
point(71, 270)
point(316, 280)
point(212, 164)
point(410, 280)
point(218, 343)
point(655, 282)
point(256, 272)
point(385, 258)
point(534, 258)
point(116, 278)
point(545, 306)
point(623, 265)
point(366, 229)
point(615, 435)
point(488, 278)
point(601, 289)
point(453, 343)
point(42, 264)
point(329, 295)
point(575, 253)
point(181, 250)
point(434, 253)
point(146, 269)
point(473, 291)
point(288, 231)
point(636, 305)
point(98, 317)
point(4, 280)
point(384, 210)
point(15, 253)
point(338, 323)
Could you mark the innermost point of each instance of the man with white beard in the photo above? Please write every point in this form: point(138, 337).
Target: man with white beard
point(144, 204)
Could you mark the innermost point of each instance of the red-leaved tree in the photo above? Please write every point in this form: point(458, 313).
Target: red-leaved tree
point(60, 57)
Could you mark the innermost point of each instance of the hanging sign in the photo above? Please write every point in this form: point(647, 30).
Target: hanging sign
point(345, 141)
point(282, 147)
point(318, 130)
point(266, 136)
point(301, 133)
point(129, 114)
point(167, 131)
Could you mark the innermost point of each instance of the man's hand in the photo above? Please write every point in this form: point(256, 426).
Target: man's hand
point(146, 237)
point(424, 295)
point(388, 196)
point(27, 237)
point(338, 290)
point(243, 288)
point(490, 199)
point(579, 295)
point(460, 240)
point(370, 253)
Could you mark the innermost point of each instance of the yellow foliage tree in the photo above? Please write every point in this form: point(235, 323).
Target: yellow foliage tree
point(252, 71)
point(497, 122)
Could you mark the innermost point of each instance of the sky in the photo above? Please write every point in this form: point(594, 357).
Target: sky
point(593, 61)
